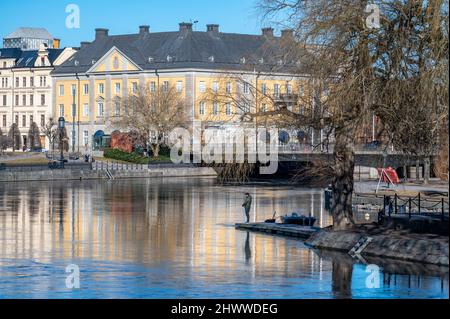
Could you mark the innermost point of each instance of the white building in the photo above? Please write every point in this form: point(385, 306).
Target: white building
point(26, 87)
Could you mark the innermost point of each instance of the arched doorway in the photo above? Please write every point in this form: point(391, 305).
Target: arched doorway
point(100, 141)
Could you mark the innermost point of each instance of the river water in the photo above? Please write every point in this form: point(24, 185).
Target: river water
point(175, 238)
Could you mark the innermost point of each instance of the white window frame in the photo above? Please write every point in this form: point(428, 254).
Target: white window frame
point(202, 108)
point(179, 86)
point(100, 109)
point(202, 86)
point(86, 110)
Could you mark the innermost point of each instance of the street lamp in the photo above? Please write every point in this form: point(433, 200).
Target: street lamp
point(61, 125)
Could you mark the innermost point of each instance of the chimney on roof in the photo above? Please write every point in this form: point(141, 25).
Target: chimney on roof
point(101, 33)
point(144, 29)
point(56, 43)
point(212, 28)
point(268, 32)
point(287, 33)
point(185, 27)
point(84, 44)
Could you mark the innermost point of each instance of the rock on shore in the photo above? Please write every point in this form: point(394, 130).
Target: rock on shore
point(425, 248)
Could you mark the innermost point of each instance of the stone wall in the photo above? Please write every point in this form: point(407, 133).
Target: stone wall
point(425, 248)
point(67, 174)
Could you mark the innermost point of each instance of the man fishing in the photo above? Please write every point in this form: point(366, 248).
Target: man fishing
point(247, 205)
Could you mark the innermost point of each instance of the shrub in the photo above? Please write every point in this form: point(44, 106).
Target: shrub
point(126, 157)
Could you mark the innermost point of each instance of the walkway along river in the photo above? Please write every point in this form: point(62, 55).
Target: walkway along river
point(175, 238)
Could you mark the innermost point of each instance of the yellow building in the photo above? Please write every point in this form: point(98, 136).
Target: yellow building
point(198, 64)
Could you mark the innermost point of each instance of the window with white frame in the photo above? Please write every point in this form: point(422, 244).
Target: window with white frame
point(134, 87)
point(215, 109)
point(86, 89)
point(202, 108)
point(152, 87)
point(116, 107)
point(4, 100)
point(31, 99)
point(100, 109)
point(246, 89)
point(179, 86)
point(101, 88)
point(61, 90)
point(263, 108)
point(85, 109)
point(264, 88)
point(42, 99)
point(117, 88)
point(215, 87)
point(165, 86)
point(276, 90)
point(301, 90)
point(228, 87)
point(86, 137)
point(228, 108)
point(288, 88)
point(61, 110)
point(202, 87)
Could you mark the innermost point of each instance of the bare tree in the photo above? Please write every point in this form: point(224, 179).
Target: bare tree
point(153, 114)
point(366, 70)
point(412, 71)
point(49, 129)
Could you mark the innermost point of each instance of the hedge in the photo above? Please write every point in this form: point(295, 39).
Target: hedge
point(126, 157)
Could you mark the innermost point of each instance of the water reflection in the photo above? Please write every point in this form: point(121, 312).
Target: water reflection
point(168, 239)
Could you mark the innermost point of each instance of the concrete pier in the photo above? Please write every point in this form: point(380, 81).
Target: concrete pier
point(280, 229)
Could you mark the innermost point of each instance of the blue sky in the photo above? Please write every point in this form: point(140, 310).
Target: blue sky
point(124, 16)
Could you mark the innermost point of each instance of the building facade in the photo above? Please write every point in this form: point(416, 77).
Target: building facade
point(30, 39)
point(26, 87)
point(86, 85)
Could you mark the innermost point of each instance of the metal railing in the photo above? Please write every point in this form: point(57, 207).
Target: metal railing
point(393, 205)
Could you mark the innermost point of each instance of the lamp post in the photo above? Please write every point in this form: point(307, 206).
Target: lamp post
point(61, 125)
point(74, 113)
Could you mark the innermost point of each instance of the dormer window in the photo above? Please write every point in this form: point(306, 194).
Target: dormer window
point(169, 58)
point(151, 59)
point(211, 59)
point(242, 61)
point(76, 63)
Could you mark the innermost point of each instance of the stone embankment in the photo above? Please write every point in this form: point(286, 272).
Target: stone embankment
point(424, 248)
point(77, 174)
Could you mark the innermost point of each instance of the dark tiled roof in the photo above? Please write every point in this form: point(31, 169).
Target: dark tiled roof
point(203, 50)
point(27, 58)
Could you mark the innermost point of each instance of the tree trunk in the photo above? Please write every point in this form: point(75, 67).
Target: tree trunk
point(342, 186)
point(417, 170)
point(155, 150)
point(426, 170)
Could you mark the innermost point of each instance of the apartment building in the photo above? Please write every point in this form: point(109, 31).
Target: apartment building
point(85, 86)
point(26, 87)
